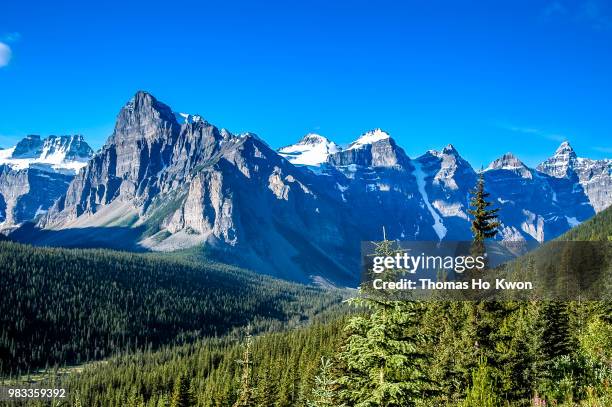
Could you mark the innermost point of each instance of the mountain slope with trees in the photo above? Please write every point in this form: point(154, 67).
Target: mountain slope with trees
point(66, 306)
point(460, 354)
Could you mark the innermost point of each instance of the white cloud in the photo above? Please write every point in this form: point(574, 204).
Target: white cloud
point(531, 130)
point(5, 54)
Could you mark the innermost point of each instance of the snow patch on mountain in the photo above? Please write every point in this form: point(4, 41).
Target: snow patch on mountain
point(572, 221)
point(63, 154)
point(185, 118)
point(450, 209)
point(438, 225)
point(312, 149)
point(370, 137)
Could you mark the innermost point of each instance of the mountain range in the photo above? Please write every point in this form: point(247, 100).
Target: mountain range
point(167, 181)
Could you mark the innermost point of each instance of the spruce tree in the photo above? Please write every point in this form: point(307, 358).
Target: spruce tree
point(482, 392)
point(485, 223)
point(245, 397)
point(181, 395)
point(556, 337)
point(383, 361)
point(324, 391)
point(486, 318)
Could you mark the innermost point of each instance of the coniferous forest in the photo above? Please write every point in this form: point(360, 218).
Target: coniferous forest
point(146, 330)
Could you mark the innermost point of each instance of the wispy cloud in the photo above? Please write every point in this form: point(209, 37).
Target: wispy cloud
point(533, 131)
point(11, 37)
point(5, 54)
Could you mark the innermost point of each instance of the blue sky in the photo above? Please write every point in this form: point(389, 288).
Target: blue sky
point(488, 77)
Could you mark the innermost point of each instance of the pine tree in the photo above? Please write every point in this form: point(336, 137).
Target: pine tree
point(482, 392)
point(324, 392)
point(245, 397)
point(484, 224)
point(181, 396)
point(556, 337)
point(382, 360)
point(486, 318)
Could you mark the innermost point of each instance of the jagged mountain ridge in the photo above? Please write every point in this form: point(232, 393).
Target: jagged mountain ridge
point(34, 173)
point(64, 154)
point(166, 181)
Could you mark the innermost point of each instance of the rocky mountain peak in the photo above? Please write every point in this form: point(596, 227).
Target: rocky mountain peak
point(565, 149)
point(312, 149)
point(313, 139)
point(27, 147)
point(369, 137)
point(143, 117)
point(506, 161)
point(510, 162)
point(373, 149)
point(561, 163)
point(450, 149)
point(65, 154)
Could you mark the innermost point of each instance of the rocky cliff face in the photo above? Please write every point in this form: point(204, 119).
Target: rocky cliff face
point(187, 184)
point(27, 193)
point(167, 181)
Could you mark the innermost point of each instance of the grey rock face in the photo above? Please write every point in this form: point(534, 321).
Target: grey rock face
point(35, 173)
point(447, 181)
point(30, 146)
point(66, 148)
point(379, 153)
point(28, 193)
point(561, 163)
point(593, 176)
point(191, 183)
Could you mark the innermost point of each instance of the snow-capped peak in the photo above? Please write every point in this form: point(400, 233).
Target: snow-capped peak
point(369, 137)
point(510, 162)
point(450, 149)
point(506, 161)
point(184, 118)
point(564, 148)
point(313, 139)
point(561, 162)
point(565, 152)
point(65, 154)
point(312, 149)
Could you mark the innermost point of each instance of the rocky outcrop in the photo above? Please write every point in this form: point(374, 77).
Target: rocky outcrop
point(27, 193)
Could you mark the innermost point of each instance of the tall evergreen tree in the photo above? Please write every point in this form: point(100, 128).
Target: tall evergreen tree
point(482, 392)
point(556, 337)
point(484, 223)
point(181, 395)
point(324, 391)
point(382, 360)
point(245, 397)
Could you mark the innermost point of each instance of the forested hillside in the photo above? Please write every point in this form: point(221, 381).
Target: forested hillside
point(283, 367)
point(461, 354)
point(597, 228)
point(64, 306)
